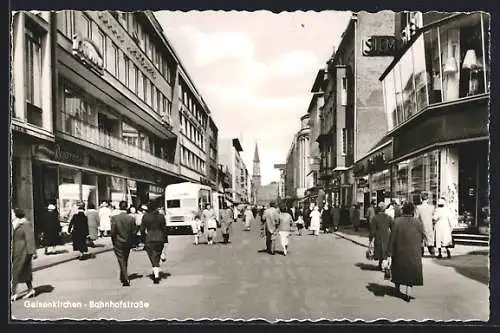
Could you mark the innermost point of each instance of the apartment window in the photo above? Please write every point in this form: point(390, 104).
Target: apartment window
point(140, 84)
point(145, 85)
point(33, 68)
point(153, 97)
point(132, 76)
point(111, 63)
point(121, 66)
point(159, 103)
point(99, 40)
point(169, 106)
point(82, 28)
point(65, 22)
point(159, 61)
point(344, 141)
point(343, 92)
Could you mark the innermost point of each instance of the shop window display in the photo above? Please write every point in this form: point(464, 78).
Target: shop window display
point(433, 66)
point(70, 192)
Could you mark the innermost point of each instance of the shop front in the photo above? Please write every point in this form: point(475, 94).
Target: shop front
point(66, 174)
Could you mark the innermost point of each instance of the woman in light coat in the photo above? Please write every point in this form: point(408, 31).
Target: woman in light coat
point(315, 221)
point(443, 225)
point(104, 219)
point(209, 219)
point(93, 221)
point(248, 218)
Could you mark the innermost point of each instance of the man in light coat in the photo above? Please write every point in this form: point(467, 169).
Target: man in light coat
point(270, 219)
point(424, 213)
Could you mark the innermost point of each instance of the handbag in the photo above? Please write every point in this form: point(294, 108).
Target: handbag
point(386, 267)
point(370, 252)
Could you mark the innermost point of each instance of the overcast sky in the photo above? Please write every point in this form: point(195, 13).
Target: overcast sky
point(255, 71)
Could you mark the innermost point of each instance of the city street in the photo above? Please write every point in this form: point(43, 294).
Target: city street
point(321, 277)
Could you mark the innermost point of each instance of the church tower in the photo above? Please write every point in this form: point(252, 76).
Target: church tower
point(256, 181)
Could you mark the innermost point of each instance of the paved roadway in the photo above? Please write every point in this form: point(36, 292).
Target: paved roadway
point(322, 277)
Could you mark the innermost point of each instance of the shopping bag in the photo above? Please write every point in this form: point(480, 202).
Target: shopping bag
point(386, 267)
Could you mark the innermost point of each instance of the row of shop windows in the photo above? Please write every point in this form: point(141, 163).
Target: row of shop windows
point(446, 63)
point(464, 186)
point(68, 187)
point(116, 62)
point(85, 117)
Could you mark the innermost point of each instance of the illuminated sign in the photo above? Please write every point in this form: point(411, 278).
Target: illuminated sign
point(88, 53)
point(381, 46)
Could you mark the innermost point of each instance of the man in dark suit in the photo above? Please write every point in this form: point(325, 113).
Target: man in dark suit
point(123, 231)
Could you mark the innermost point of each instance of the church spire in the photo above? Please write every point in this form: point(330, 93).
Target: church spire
point(256, 154)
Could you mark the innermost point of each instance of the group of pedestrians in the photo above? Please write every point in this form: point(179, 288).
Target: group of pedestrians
point(206, 222)
point(398, 241)
point(276, 223)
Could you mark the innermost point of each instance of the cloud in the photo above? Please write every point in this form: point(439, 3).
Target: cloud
point(296, 63)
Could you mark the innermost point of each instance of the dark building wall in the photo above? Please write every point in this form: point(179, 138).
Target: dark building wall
point(371, 124)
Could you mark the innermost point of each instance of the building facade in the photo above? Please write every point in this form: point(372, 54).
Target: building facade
point(436, 102)
point(353, 116)
point(98, 114)
point(267, 194)
point(229, 156)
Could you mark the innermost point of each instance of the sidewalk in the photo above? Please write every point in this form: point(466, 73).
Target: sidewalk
point(65, 253)
point(361, 238)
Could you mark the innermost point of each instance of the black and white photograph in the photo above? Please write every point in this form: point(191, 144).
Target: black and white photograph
point(237, 165)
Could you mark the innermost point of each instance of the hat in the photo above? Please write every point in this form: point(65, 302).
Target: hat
point(51, 207)
point(381, 205)
point(441, 202)
point(144, 207)
point(104, 204)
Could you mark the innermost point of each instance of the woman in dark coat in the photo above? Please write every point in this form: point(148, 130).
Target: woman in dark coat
point(226, 221)
point(23, 251)
point(380, 231)
point(79, 229)
point(51, 229)
point(406, 240)
point(355, 216)
point(154, 232)
point(327, 219)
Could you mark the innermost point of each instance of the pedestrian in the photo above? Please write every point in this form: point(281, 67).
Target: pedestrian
point(283, 228)
point(154, 231)
point(51, 229)
point(389, 210)
point(336, 217)
point(93, 222)
point(444, 223)
point(79, 230)
point(380, 231)
point(236, 214)
point(248, 218)
point(123, 231)
point(370, 212)
point(300, 223)
point(397, 209)
point(315, 216)
point(404, 249)
point(327, 219)
point(138, 220)
point(269, 221)
point(196, 227)
point(226, 221)
point(425, 211)
point(209, 219)
point(23, 252)
point(355, 217)
point(104, 219)
point(255, 211)
point(307, 216)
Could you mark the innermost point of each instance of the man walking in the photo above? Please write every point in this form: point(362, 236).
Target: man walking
point(123, 236)
point(424, 213)
point(270, 220)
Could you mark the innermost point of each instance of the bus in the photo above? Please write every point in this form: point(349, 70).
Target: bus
point(183, 201)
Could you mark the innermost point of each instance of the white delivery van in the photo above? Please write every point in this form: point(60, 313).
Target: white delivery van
point(183, 201)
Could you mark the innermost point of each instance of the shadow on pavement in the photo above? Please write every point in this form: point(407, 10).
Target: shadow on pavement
point(367, 267)
point(46, 288)
point(382, 290)
point(262, 251)
point(473, 265)
point(134, 276)
point(163, 275)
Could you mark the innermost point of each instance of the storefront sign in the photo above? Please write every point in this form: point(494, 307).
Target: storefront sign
point(362, 182)
point(381, 46)
point(104, 164)
point(62, 154)
point(88, 53)
point(156, 189)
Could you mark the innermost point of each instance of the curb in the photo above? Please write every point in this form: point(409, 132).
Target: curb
point(350, 239)
point(41, 267)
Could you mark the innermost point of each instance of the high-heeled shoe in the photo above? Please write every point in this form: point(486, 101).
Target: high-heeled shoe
point(30, 294)
point(14, 297)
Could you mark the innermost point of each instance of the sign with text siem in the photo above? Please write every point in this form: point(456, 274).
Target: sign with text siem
point(381, 46)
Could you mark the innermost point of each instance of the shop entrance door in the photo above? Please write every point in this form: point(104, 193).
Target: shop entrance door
point(45, 191)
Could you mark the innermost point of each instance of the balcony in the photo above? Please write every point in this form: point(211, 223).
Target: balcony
point(114, 145)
